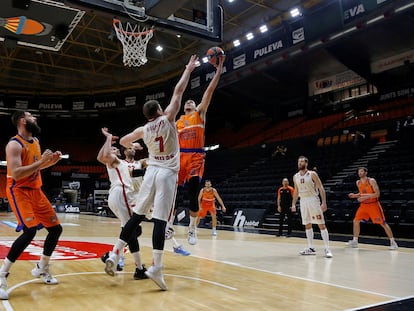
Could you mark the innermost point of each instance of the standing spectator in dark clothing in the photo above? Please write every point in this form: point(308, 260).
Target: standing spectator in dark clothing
point(89, 203)
point(284, 205)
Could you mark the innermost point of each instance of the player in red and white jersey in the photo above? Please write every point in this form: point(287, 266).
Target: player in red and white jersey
point(160, 183)
point(121, 197)
point(136, 167)
point(309, 187)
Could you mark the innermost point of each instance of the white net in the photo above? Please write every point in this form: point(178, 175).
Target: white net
point(134, 42)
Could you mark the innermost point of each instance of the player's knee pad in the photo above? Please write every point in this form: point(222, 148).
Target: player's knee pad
point(55, 231)
point(20, 244)
point(133, 244)
point(139, 231)
point(158, 235)
point(193, 191)
point(29, 234)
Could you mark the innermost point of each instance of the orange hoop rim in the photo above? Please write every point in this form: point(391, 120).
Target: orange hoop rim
point(136, 34)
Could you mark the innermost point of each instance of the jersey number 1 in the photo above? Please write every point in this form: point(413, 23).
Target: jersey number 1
point(160, 143)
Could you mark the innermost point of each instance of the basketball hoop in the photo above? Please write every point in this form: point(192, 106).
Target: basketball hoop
point(134, 42)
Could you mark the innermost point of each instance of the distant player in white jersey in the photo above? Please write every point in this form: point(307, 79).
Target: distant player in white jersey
point(121, 196)
point(309, 187)
point(160, 183)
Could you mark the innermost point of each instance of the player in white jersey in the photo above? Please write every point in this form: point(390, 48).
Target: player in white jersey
point(121, 196)
point(136, 167)
point(309, 187)
point(160, 183)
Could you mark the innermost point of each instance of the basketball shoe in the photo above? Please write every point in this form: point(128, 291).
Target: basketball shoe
point(181, 251)
point(45, 274)
point(192, 236)
point(308, 251)
point(140, 273)
point(328, 253)
point(111, 263)
point(119, 267)
point(155, 274)
point(4, 295)
point(393, 245)
point(169, 232)
point(214, 232)
point(352, 243)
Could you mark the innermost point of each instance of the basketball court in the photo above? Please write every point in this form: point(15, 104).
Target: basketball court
point(235, 270)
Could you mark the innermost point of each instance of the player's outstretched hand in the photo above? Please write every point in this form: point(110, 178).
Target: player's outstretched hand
point(192, 63)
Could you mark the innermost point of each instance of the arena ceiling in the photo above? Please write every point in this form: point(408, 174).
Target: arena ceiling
point(90, 60)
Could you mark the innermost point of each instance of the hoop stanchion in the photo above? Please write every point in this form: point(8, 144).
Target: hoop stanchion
point(134, 42)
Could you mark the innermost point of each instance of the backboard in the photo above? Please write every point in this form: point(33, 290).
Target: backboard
point(43, 24)
point(203, 19)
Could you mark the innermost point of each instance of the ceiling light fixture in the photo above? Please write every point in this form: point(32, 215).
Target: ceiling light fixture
point(236, 43)
point(159, 48)
point(295, 12)
point(263, 28)
point(249, 36)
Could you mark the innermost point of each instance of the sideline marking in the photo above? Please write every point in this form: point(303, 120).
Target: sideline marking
point(299, 278)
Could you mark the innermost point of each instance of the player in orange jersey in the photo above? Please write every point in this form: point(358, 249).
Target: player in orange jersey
point(190, 129)
point(206, 202)
point(32, 209)
point(370, 208)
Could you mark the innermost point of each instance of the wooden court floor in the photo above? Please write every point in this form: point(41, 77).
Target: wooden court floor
point(233, 271)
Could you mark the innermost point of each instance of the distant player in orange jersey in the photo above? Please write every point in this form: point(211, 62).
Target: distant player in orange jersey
point(190, 129)
point(370, 208)
point(206, 201)
point(30, 205)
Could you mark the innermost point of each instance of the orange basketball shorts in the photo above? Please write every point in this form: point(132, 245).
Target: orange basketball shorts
point(206, 208)
point(371, 211)
point(31, 208)
point(191, 164)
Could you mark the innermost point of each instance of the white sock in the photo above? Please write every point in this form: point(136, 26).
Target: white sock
point(192, 222)
point(44, 261)
point(137, 259)
point(6, 265)
point(309, 237)
point(157, 257)
point(119, 248)
point(325, 237)
point(176, 244)
point(355, 239)
point(214, 228)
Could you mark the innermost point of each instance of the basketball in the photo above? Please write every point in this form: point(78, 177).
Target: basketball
point(213, 55)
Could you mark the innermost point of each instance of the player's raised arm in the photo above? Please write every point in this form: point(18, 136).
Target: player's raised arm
point(128, 140)
point(208, 93)
point(175, 104)
point(105, 155)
